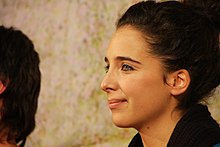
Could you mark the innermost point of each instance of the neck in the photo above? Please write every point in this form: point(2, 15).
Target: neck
point(157, 134)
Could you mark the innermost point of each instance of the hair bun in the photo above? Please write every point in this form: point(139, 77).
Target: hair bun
point(210, 7)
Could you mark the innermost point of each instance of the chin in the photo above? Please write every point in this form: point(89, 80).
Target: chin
point(121, 123)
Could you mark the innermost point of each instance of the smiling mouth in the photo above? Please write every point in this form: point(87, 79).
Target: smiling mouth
point(116, 103)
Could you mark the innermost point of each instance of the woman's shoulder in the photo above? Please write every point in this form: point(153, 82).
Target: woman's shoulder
point(196, 128)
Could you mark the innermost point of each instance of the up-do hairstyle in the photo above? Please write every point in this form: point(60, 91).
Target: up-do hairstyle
point(211, 8)
point(183, 37)
point(19, 72)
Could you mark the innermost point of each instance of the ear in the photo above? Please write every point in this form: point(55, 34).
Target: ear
point(178, 81)
point(2, 87)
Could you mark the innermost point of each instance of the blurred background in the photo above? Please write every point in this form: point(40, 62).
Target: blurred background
point(71, 37)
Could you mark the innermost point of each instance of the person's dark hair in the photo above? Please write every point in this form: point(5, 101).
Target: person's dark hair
point(19, 72)
point(183, 37)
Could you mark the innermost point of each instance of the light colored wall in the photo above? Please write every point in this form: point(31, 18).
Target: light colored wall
point(71, 37)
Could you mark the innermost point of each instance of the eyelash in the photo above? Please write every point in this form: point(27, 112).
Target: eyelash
point(124, 67)
point(107, 68)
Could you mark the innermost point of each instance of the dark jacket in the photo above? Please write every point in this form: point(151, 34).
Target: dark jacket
point(195, 129)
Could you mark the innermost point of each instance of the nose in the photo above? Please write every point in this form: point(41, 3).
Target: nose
point(109, 83)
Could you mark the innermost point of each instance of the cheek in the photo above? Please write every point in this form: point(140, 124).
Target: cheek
point(141, 84)
point(144, 89)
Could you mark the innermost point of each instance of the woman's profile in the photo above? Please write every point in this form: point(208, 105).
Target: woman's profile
point(162, 62)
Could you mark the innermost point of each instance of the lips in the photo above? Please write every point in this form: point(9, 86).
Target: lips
point(116, 103)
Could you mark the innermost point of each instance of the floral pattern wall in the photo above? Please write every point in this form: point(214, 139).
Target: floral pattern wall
point(71, 37)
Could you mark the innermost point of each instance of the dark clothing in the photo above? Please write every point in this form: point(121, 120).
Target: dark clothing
point(195, 129)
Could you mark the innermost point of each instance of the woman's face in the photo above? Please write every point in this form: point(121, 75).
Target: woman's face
point(134, 82)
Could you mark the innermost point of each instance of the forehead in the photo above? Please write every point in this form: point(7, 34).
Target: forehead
point(127, 41)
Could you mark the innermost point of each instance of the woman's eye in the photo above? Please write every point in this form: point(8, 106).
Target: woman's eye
point(126, 67)
point(106, 68)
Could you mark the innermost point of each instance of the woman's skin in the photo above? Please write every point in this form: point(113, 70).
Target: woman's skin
point(7, 145)
point(137, 94)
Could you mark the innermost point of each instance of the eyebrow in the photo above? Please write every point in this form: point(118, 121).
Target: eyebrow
point(122, 58)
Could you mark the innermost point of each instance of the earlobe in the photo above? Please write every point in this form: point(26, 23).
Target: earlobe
point(179, 82)
point(2, 87)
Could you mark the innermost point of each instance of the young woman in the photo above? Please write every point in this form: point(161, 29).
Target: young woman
point(162, 61)
point(19, 87)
